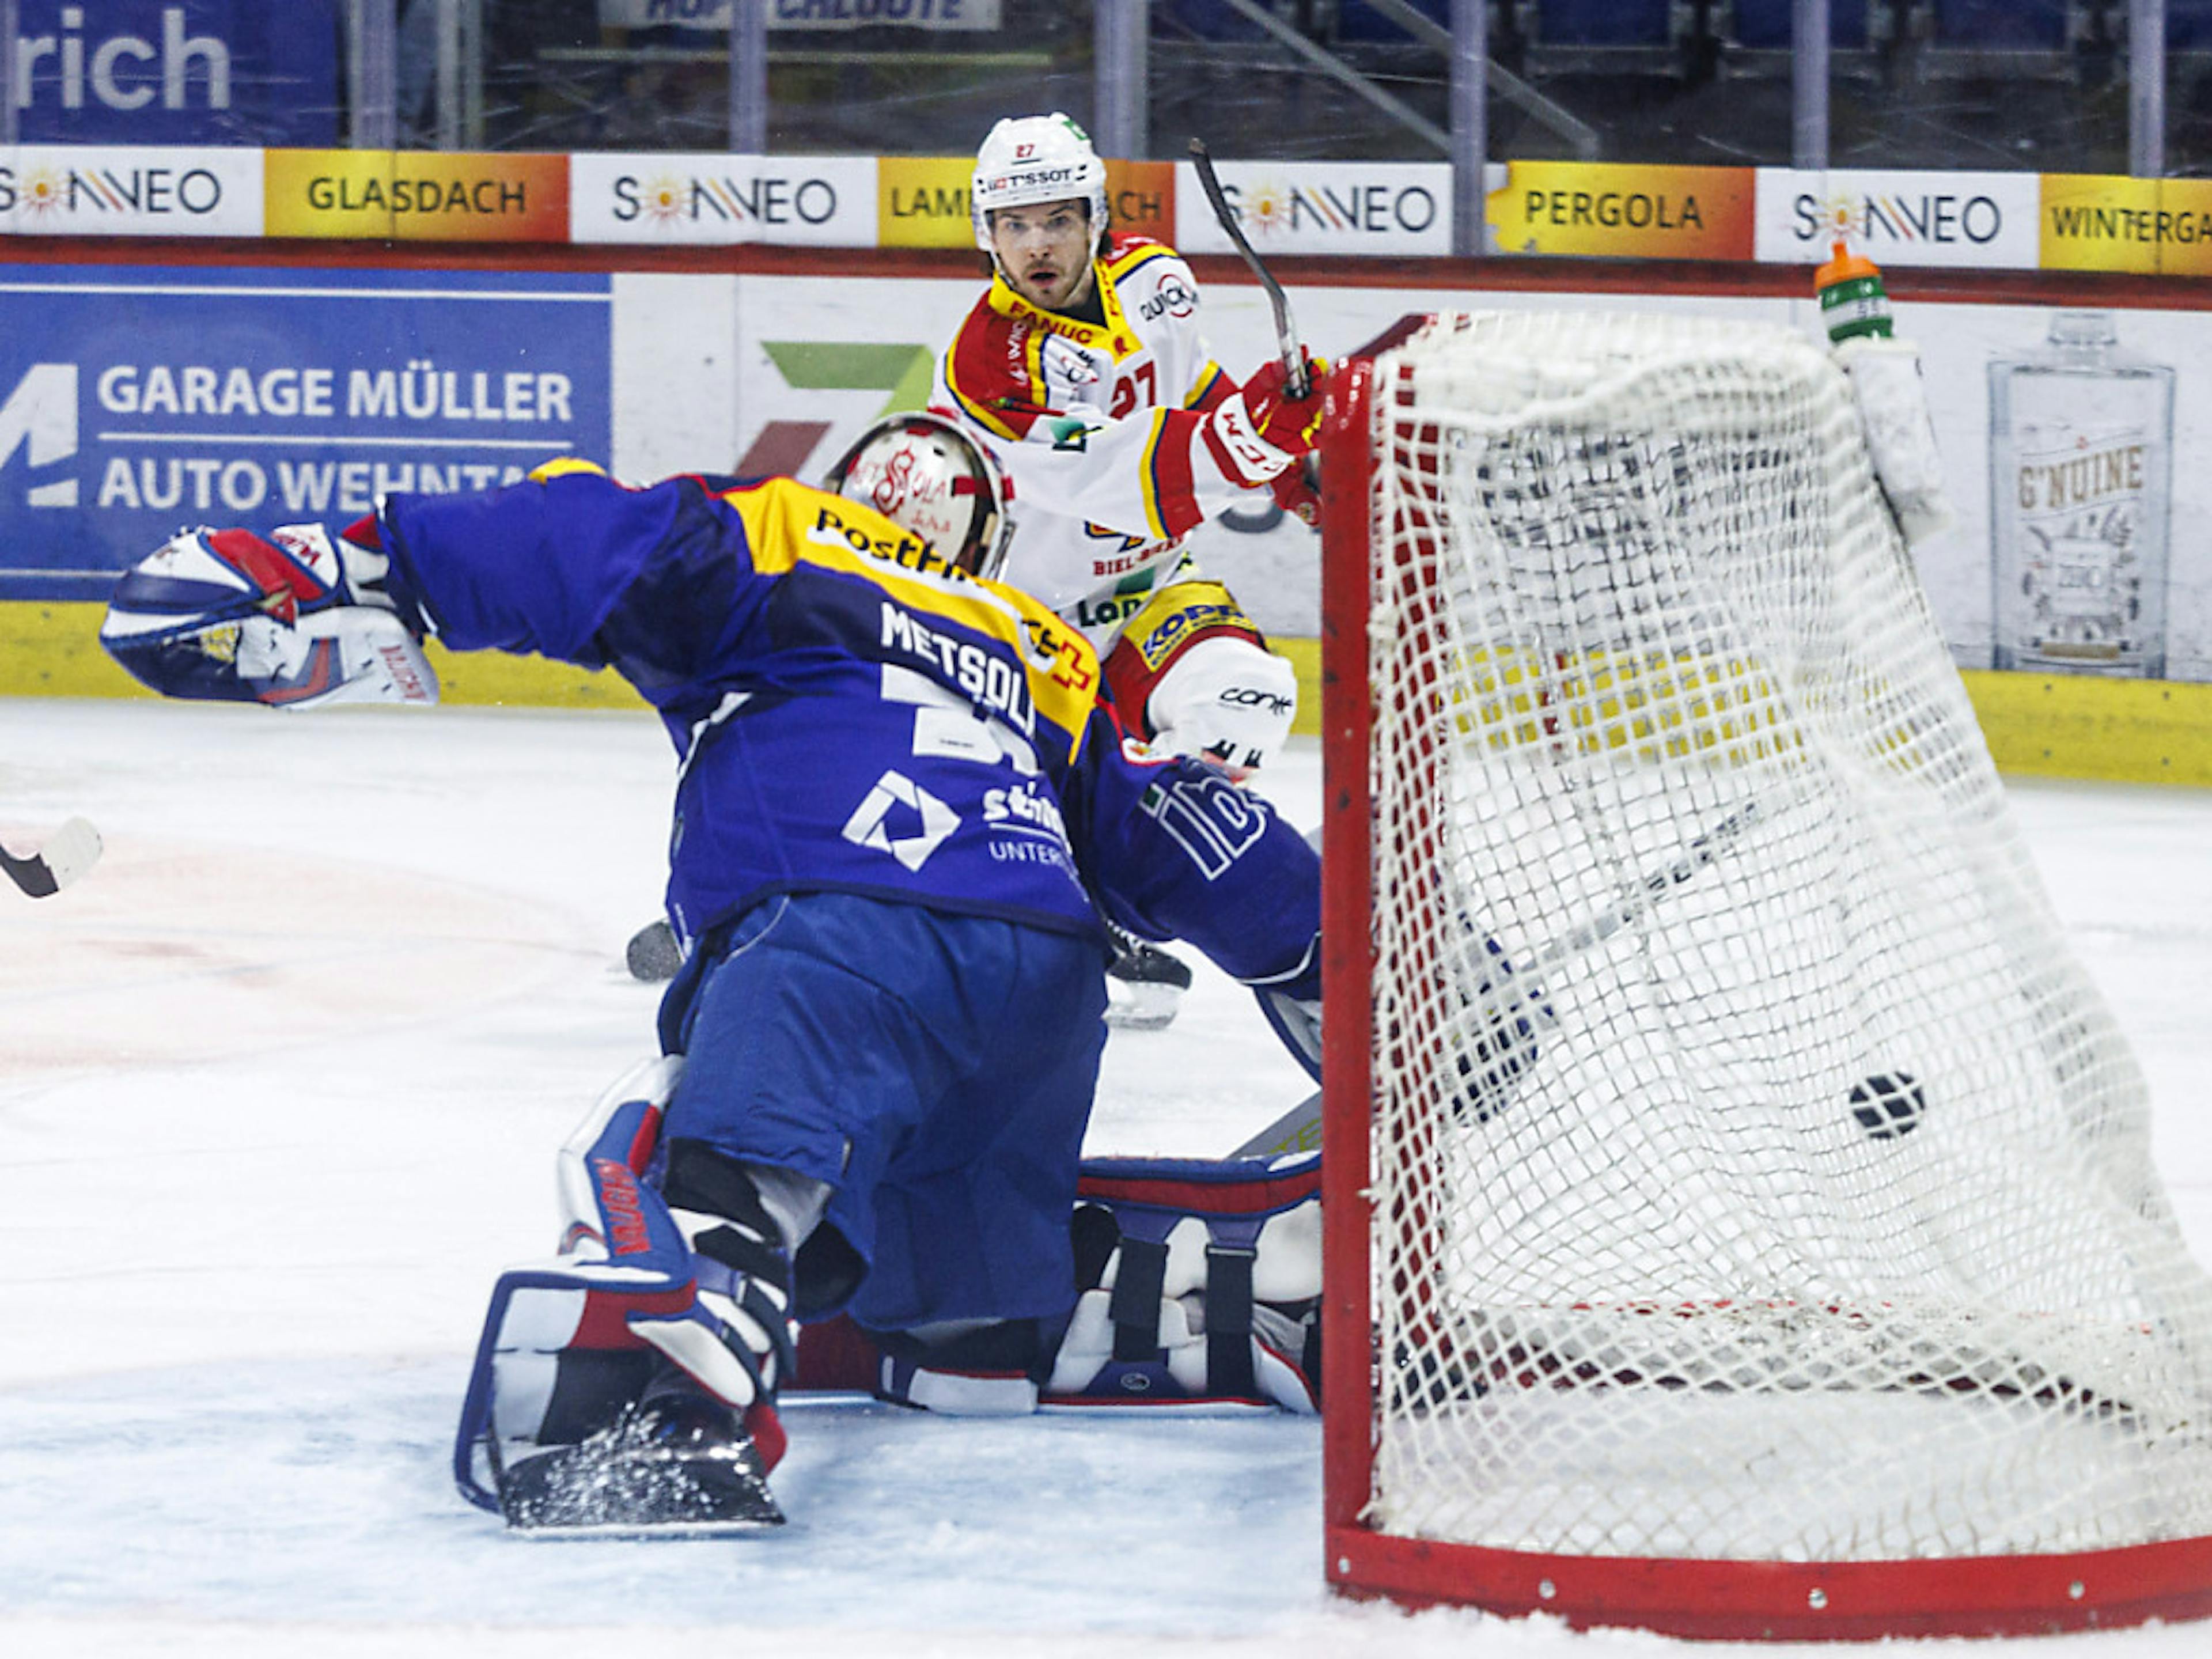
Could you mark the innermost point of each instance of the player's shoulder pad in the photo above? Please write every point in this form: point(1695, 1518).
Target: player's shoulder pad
point(562, 466)
point(1124, 253)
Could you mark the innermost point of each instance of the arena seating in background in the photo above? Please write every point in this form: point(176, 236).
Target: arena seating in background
point(1357, 21)
point(2188, 25)
point(1607, 24)
point(2006, 24)
point(1771, 25)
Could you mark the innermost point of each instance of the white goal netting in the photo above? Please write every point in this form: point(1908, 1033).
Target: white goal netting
point(1756, 1175)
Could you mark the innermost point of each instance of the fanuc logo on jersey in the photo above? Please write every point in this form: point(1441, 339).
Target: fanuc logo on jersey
point(40, 419)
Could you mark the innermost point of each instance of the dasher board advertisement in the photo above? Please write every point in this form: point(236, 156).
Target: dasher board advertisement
point(134, 400)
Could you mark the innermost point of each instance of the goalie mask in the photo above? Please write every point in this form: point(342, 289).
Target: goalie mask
point(925, 475)
point(1031, 159)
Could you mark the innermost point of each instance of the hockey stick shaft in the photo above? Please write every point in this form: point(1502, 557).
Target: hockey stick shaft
point(1296, 377)
point(67, 854)
point(1299, 1129)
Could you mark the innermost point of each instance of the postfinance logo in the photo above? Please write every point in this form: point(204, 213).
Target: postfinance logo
point(41, 420)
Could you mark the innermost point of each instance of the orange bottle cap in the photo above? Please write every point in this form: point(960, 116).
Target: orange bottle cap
point(1844, 266)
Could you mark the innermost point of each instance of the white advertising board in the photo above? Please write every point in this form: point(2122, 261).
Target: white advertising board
point(114, 190)
point(1321, 207)
point(672, 200)
point(1970, 220)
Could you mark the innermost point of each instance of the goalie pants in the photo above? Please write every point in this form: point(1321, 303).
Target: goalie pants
point(935, 1070)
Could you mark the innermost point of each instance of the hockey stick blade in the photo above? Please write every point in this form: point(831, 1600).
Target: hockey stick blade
point(68, 854)
point(1296, 380)
point(1298, 1130)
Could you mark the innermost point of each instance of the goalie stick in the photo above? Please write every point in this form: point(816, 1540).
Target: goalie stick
point(67, 854)
point(1297, 380)
point(1298, 1130)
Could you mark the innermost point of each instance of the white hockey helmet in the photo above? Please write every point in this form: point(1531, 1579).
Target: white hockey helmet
point(1029, 159)
point(925, 475)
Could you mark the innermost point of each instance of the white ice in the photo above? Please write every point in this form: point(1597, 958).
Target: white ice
point(280, 1081)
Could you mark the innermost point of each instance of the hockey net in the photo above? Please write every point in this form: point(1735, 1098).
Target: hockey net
point(1759, 1236)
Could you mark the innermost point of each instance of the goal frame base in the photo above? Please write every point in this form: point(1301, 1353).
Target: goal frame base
point(1786, 1600)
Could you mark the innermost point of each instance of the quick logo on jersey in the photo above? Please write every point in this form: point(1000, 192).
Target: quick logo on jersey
point(1173, 298)
point(990, 682)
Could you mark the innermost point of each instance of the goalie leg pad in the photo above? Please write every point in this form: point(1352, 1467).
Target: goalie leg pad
point(570, 1345)
point(1203, 1283)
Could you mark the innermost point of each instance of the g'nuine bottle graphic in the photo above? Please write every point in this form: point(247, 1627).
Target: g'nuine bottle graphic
point(2080, 476)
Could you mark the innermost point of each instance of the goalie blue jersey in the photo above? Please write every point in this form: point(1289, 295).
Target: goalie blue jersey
point(852, 715)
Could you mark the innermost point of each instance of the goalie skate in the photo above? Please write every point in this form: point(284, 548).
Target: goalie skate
point(662, 1469)
point(1145, 985)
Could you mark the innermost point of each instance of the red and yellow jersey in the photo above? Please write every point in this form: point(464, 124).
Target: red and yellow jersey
point(1098, 425)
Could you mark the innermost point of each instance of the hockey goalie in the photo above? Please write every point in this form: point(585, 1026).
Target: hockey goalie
point(900, 811)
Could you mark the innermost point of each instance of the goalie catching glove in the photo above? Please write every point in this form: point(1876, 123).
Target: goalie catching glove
point(296, 621)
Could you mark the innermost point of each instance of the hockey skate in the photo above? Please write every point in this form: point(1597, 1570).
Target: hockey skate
point(676, 1462)
point(1145, 985)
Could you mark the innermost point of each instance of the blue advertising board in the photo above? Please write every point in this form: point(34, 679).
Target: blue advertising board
point(135, 400)
point(180, 72)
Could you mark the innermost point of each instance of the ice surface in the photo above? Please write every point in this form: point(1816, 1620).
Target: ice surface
point(280, 1085)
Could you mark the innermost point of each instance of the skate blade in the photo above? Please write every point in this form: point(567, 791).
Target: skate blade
point(616, 1531)
point(597, 1491)
point(1137, 1007)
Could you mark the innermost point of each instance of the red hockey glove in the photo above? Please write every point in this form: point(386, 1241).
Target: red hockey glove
point(1257, 434)
point(1294, 491)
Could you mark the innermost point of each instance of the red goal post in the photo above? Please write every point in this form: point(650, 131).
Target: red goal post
point(1739, 1221)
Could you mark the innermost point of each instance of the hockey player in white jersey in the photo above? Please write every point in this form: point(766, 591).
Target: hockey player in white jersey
point(1083, 368)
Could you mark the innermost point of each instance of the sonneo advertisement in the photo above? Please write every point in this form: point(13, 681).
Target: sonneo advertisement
point(1966, 221)
point(1321, 207)
point(721, 200)
point(98, 190)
